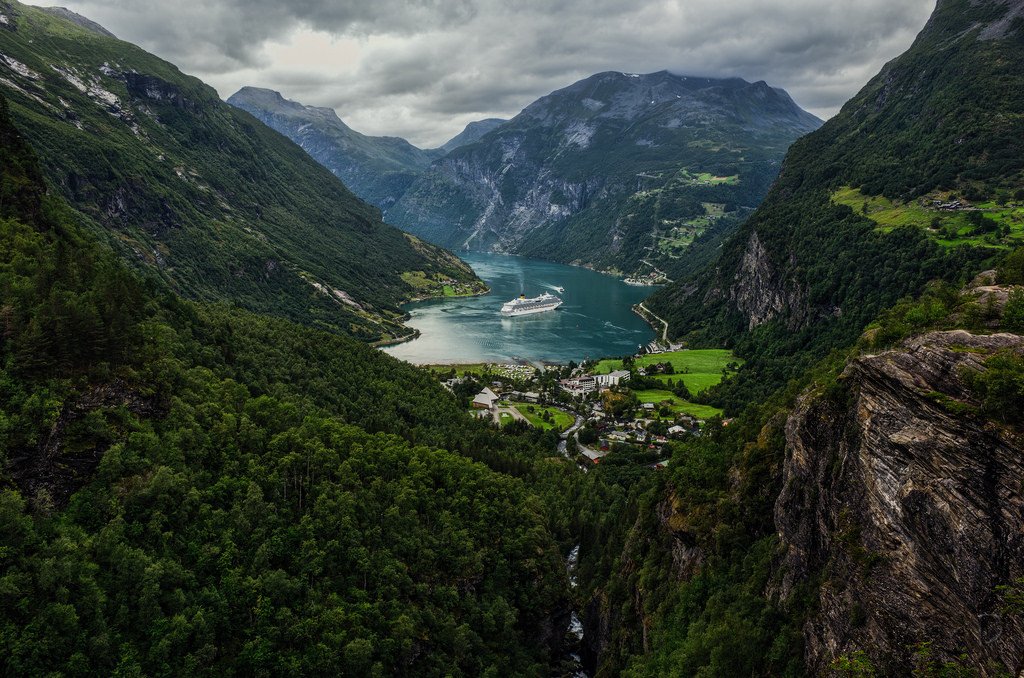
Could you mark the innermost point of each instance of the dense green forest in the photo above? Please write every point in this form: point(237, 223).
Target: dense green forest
point(193, 489)
point(199, 193)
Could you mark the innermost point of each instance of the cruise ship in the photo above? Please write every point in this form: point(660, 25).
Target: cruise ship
point(524, 306)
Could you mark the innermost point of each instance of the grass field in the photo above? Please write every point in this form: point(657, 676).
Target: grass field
point(699, 369)
point(947, 228)
point(559, 419)
point(681, 235)
point(436, 285)
point(678, 404)
point(688, 178)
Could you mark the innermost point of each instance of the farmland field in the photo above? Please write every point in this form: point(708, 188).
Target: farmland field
point(699, 369)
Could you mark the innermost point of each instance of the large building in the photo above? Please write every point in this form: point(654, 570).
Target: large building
point(579, 385)
point(612, 378)
point(485, 399)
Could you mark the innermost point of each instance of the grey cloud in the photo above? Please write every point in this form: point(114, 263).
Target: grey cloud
point(423, 68)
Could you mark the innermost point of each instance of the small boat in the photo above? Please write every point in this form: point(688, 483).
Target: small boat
point(560, 290)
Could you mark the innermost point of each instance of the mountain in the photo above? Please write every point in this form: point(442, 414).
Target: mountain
point(200, 193)
point(377, 169)
point(472, 133)
point(74, 17)
point(920, 176)
point(612, 170)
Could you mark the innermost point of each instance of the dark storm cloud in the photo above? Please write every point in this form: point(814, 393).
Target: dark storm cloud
point(423, 68)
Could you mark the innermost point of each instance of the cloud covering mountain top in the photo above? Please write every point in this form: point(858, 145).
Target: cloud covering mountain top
point(422, 69)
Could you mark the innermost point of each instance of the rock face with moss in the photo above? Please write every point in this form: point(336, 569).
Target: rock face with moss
point(905, 501)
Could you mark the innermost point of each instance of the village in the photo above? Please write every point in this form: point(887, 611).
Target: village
point(632, 407)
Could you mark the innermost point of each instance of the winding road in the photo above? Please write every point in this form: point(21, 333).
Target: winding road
point(664, 331)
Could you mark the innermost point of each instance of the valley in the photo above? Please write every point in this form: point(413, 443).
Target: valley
point(618, 172)
point(256, 420)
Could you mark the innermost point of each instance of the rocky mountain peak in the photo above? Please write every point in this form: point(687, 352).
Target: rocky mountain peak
point(628, 96)
point(472, 132)
point(272, 101)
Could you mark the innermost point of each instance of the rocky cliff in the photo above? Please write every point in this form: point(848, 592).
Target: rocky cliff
point(907, 506)
point(612, 170)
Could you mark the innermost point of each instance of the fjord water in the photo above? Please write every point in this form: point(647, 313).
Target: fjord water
point(595, 319)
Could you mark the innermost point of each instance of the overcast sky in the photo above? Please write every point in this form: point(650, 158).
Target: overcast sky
point(422, 69)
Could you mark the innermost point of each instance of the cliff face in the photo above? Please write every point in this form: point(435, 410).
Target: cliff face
point(609, 168)
point(909, 507)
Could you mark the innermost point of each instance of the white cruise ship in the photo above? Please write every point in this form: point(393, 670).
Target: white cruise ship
point(524, 306)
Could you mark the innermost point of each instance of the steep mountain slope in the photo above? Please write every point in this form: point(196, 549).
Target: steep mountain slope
point(862, 515)
point(377, 169)
point(918, 174)
point(188, 489)
point(865, 521)
point(473, 132)
point(220, 206)
point(609, 171)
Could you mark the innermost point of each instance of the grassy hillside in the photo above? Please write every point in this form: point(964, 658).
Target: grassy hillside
point(218, 205)
point(377, 169)
point(854, 223)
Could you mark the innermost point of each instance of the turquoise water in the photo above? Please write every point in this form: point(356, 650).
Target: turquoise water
point(596, 319)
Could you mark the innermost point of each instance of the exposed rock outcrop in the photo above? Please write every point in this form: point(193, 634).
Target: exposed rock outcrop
point(67, 457)
point(590, 173)
point(909, 507)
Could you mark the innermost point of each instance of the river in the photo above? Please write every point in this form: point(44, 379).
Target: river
point(596, 319)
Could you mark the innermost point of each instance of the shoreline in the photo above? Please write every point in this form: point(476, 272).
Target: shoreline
point(644, 312)
point(395, 341)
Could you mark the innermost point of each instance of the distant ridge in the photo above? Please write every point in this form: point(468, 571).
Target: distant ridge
point(74, 17)
point(610, 168)
point(472, 133)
